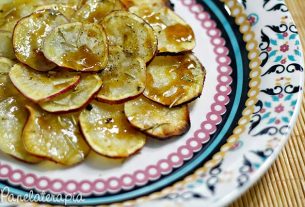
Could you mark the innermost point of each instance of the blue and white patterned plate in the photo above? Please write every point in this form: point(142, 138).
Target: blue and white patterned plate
point(251, 98)
point(275, 112)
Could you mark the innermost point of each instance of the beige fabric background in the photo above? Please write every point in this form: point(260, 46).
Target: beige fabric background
point(284, 183)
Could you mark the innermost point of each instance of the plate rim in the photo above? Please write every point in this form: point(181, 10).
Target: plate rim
point(37, 178)
point(189, 10)
point(236, 192)
point(265, 166)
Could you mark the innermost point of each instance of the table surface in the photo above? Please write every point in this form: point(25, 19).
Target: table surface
point(284, 183)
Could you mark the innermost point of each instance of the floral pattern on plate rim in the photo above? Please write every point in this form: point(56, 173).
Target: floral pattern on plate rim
point(183, 192)
point(271, 121)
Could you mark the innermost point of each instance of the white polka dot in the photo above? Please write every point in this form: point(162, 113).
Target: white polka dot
point(196, 9)
point(251, 102)
point(238, 130)
point(224, 69)
point(254, 73)
point(248, 37)
point(220, 50)
point(201, 135)
point(114, 183)
point(217, 156)
point(164, 165)
point(85, 186)
point(202, 16)
point(213, 117)
point(185, 151)
point(236, 11)
point(194, 144)
point(207, 24)
point(254, 64)
point(230, 3)
point(221, 98)
point(43, 183)
point(175, 158)
point(244, 28)
point(17, 176)
point(224, 78)
point(127, 180)
point(57, 185)
point(231, 141)
point(223, 59)
point(216, 41)
point(213, 32)
point(251, 46)
point(71, 186)
point(240, 19)
point(4, 171)
point(247, 112)
point(29, 180)
point(218, 108)
point(252, 93)
point(208, 126)
point(140, 176)
point(152, 171)
point(243, 121)
point(253, 55)
point(225, 148)
point(209, 164)
point(99, 185)
point(223, 88)
point(253, 83)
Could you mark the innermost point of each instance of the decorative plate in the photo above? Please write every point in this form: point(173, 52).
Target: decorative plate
point(252, 53)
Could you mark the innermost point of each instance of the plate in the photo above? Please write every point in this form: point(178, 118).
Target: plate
point(250, 101)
